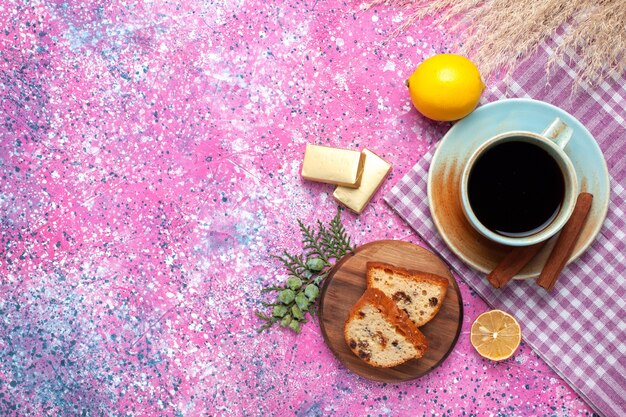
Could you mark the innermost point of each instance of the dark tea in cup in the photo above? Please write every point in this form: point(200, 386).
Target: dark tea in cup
point(519, 188)
point(516, 188)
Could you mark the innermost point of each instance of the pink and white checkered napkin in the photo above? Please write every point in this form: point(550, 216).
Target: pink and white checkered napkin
point(579, 328)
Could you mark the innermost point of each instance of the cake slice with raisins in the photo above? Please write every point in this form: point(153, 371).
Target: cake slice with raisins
point(381, 334)
point(419, 294)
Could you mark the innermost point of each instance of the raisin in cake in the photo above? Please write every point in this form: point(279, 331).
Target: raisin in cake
point(381, 334)
point(419, 294)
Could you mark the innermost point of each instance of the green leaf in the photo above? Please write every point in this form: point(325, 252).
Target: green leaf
point(296, 312)
point(295, 326)
point(262, 316)
point(294, 282)
point(279, 311)
point(311, 291)
point(302, 300)
point(266, 326)
point(285, 321)
point(286, 296)
point(315, 264)
point(273, 288)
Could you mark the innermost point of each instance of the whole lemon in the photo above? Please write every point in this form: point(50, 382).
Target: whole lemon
point(445, 87)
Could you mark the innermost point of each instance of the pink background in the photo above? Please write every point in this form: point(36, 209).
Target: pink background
point(149, 161)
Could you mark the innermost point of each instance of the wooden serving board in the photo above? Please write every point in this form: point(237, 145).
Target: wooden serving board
point(347, 282)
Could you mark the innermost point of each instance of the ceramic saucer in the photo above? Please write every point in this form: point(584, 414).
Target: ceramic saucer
point(469, 133)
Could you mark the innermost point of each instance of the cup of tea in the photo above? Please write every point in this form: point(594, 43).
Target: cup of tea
point(519, 188)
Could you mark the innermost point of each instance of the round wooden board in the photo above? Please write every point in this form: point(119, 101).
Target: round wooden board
point(347, 282)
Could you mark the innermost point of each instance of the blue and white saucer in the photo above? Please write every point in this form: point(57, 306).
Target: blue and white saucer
point(469, 133)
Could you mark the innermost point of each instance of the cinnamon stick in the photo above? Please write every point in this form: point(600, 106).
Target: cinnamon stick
point(565, 243)
point(512, 263)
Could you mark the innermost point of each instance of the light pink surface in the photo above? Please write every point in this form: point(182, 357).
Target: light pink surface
point(150, 156)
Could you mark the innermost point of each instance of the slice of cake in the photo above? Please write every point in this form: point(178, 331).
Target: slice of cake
point(419, 294)
point(381, 334)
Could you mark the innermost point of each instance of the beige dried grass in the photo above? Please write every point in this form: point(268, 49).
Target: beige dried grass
point(498, 34)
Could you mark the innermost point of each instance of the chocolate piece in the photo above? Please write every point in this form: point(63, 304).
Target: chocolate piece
point(374, 172)
point(333, 165)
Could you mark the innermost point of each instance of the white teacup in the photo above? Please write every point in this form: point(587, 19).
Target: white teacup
point(511, 190)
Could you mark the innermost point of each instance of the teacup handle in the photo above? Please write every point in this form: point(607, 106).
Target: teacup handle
point(558, 132)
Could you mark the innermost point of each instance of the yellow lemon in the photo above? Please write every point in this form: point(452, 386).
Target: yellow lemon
point(496, 335)
point(445, 87)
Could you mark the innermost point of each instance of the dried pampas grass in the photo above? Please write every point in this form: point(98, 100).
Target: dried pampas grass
point(500, 33)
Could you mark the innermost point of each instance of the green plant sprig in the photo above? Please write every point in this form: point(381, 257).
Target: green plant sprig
point(298, 295)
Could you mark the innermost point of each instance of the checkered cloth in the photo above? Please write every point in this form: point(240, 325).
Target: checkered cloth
point(579, 328)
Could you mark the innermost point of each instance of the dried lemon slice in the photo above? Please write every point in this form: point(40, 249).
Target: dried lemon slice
point(496, 335)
